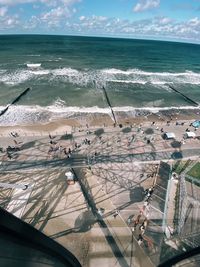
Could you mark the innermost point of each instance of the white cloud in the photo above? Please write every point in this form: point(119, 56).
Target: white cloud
point(3, 11)
point(194, 21)
point(15, 2)
point(8, 22)
point(81, 18)
point(143, 5)
point(159, 27)
point(32, 23)
point(101, 18)
point(54, 14)
point(46, 2)
point(164, 20)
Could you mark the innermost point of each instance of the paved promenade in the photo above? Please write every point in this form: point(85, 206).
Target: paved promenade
point(114, 168)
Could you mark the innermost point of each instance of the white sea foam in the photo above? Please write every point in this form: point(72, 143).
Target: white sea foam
point(143, 77)
point(139, 82)
point(54, 59)
point(127, 81)
point(40, 72)
point(59, 103)
point(33, 65)
point(33, 55)
point(153, 109)
point(145, 73)
point(16, 77)
point(74, 109)
point(25, 115)
point(99, 78)
point(65, 72)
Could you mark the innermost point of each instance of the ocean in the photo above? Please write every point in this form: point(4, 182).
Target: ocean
point(69, 74)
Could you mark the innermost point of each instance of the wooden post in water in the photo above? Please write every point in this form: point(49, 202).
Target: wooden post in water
point(109, 104)
point(186, 97)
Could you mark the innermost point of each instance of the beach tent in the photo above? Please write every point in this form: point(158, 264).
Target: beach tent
point(196, 124)
point(169, 136)
point(70, 177)
point(190, 135)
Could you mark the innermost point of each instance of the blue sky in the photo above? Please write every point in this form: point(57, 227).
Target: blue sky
point(151, 19)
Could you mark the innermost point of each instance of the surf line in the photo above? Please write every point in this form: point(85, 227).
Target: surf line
point(186, 97)
point(109, 104)
point(14, 101)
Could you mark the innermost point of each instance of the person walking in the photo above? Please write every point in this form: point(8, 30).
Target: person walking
point(116, 213)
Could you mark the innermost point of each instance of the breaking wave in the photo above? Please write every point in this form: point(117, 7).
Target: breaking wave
point(27, 115)
point(100, 77)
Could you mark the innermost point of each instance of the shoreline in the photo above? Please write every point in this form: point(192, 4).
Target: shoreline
point(87, 120)
point(53, 117)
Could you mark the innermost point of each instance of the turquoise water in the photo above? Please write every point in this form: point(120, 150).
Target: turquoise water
point(136, 73)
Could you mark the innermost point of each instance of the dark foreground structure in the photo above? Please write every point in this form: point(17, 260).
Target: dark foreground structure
point(22, 245)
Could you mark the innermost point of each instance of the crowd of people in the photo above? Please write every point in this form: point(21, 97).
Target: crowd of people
point(139, 223)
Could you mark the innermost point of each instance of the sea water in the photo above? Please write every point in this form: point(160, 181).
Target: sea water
point(66, 75)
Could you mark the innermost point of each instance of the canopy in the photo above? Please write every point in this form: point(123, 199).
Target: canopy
point(69, 175)
point(190, 134)
point(170, 135)
point(196, 124)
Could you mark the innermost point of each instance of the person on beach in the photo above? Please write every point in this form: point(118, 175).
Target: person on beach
point(100, 211)
point(9, 154)
point(116, 213)
point(16, 143)
point(14, 134)
point(133, 229)
point(142, 230)
point(140, 239)
point(65, 151)
point(50, 150)
point(130, 219)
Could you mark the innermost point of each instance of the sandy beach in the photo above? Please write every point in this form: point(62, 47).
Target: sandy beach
point(84, 121)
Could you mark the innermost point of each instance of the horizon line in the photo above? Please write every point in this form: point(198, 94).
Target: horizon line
point(106, 36)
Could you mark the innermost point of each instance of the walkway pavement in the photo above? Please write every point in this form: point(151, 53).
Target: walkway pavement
point(81, 219)
point(123, 244)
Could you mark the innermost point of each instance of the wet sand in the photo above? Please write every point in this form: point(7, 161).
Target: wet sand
point(84, 121)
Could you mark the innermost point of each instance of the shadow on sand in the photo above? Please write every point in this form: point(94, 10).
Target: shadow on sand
point(137, 194)
point(176, 144)
point(85, 221)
